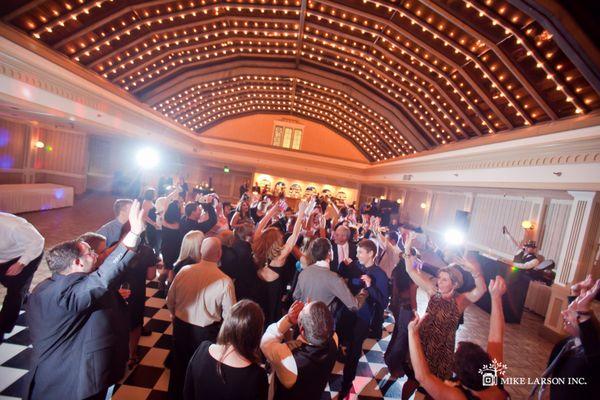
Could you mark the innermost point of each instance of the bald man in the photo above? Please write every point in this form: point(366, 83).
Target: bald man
point(199, 297)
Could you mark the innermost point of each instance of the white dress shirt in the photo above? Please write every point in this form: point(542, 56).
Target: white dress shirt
point(201, 294)
point(343, 252)
point(19, 239)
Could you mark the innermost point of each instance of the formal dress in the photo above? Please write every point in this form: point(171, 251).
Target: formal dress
point(438, 333)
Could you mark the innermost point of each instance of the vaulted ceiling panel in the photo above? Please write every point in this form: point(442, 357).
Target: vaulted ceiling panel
point(393, 77)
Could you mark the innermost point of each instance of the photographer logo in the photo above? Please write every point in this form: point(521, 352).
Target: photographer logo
point(491, 372)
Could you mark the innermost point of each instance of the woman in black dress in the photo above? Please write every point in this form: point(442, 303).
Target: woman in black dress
point(270, 254)
point(171, 240)
point(230, 370)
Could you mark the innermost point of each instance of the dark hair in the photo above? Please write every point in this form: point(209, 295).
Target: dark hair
point(61, 256)
point(93, 239)
point(149, 194)
point(242, 329)
point(190, 208)
point(119, 204)
point(173, 213)
point(369, 246)
point(319, 249)
point(394, 236)
point(317, 323)
point(243, 231)
point(468, 359)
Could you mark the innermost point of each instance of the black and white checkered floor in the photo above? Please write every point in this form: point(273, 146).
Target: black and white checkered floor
point(149, 380)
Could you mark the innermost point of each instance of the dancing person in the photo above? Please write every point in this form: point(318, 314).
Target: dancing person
point(344, 248)
point(302, 366)
point(374, 282)
point(230, 369)
point(112, 229)
point(242, 214)
point(526, 257)
point(444, 309)
point(468, 360)
point(170, 246)
point(21, 250)
point(578, 355)
point(200, 296)
point(193, 212)
point(74, 310)
point(190, 250)
point(270, 254)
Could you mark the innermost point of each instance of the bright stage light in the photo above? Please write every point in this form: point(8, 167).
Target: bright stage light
point(147, 158)
point(454, 237)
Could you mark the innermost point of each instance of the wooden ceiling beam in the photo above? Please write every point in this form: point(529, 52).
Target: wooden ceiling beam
point(448, 15)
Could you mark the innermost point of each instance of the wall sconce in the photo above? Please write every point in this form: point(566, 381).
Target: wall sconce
point(382, 197)
point(399, 201)
point(39, 144)
point(527, 224)
point(423, 205)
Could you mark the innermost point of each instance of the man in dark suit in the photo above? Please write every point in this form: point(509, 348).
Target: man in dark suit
point(344, 249)
point(374, 282)
point(79, 335)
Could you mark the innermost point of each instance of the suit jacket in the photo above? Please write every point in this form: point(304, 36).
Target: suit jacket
point(335, 263)
point(79, 329)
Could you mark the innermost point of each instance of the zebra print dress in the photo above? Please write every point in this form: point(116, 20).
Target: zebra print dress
point(438, 334)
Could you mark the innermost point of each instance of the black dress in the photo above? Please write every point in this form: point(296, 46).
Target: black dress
point(202, 381)
point(135, 276)
point(170, 246)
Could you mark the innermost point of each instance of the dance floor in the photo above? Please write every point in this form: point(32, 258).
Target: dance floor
point(525, 353)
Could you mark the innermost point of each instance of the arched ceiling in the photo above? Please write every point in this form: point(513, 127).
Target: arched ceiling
point(393, 77)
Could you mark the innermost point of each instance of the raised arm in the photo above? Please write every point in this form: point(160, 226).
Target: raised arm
point(91, 287)
point(420, 278)
point(475, 271)
point(510, 237)
point(266, 219)
point(291, 242)
point(495, 345)
point(434, 386)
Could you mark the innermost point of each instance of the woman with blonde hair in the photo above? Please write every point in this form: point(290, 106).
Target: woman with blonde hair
point(190, 250)
point(270, 254)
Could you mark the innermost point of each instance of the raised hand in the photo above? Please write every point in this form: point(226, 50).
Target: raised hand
point(294, 311)
point(497, 287)
point(136, 218)
point(583, 302)
point(302, 207)
point(585, 284)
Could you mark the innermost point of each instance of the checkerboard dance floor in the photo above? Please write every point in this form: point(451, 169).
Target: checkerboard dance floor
point(149, 380)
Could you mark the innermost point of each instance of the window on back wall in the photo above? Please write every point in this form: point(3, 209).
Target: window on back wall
point(287, 135)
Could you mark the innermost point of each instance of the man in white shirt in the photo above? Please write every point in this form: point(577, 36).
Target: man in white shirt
point(199, 297)
point(302, 366)
point(21, 250)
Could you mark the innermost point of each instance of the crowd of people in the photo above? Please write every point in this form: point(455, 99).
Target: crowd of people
point(264, 300)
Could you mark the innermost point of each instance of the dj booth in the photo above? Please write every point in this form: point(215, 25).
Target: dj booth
point(517, 284)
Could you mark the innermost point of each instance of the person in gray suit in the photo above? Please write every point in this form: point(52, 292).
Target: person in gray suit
point(77, 320)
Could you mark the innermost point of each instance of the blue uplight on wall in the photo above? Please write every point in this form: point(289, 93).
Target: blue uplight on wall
point(6, 162)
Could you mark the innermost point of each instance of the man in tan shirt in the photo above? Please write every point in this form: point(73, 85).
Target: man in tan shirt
point(198, 299)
